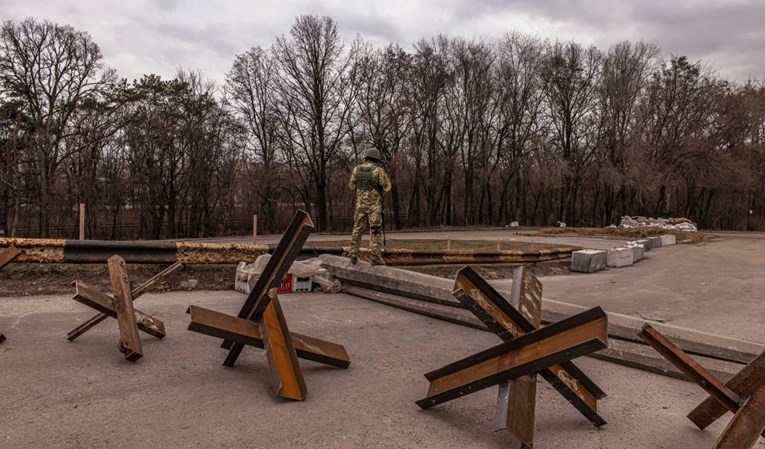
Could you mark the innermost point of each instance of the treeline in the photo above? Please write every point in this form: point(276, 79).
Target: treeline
point(473, 132)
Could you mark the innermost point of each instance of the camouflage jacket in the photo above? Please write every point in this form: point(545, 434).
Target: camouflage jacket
point(379, 181)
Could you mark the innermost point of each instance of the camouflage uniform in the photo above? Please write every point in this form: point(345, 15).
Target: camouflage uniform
point(367, 180)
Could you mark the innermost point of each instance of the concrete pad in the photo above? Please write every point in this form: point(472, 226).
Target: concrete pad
point(668, 239)
point(588, 260)
point(58, 394)
point(619, 257)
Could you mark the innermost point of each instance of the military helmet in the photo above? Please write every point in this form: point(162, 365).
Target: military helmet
point(372, 153)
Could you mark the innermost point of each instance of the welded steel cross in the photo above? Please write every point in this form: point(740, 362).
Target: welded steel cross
point(743, 394)
point(527, 351)
point(84, 292)
point(261, 323)
point(120, 306)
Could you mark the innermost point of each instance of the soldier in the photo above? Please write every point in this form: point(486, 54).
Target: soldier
point(369, 181)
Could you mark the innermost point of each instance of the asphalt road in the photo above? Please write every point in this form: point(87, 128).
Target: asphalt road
point(57, 394)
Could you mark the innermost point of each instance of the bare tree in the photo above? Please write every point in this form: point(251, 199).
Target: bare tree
point(384, 113)
point(626, 70)
point(570, 74)
point(315, 98)
point(52, 70)
point(251, 85)
point(678, 115)
point(519, 127)
point(434, 169)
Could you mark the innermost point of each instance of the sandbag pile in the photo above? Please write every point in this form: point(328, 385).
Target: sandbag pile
point(673, 224)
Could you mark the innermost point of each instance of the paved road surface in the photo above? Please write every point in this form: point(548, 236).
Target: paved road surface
point(56, 394)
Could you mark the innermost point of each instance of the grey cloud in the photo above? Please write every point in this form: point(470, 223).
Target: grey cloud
point(368, 26)
point(162, 35)
point(168, 5)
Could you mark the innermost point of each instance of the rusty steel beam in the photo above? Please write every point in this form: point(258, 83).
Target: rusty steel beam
point(8, 254)
point(130, 341)
point(743, 431)
point(105, 304)
point(744, 383)
point(246, 332)
point(517, 398)
point(690, 367)
point(285, 253)
point(282, 358)
point(743, 394)
point(527, 354)
point(516, 407)
point(508, 323)
point(138, 252)
point(135, 293)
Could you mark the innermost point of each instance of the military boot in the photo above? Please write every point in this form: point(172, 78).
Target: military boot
point(354, 259)
point(377, 260)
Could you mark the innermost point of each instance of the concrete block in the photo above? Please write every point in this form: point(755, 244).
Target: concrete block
point(668, 239)
point(619, 257)
point(638, 251)
point(655, 242)
point(588, 260)
point(642, 242)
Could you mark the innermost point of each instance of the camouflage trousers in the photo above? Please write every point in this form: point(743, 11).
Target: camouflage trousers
point(367, 216)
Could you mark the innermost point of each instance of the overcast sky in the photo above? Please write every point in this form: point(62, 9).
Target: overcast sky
point(160, 36)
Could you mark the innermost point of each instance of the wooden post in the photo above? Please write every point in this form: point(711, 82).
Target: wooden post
point(255, 229)
point(82, 221)
point(448, 243)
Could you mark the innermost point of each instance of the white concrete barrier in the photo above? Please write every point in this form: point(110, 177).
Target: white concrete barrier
point(619, 257)
point(668, 239)
point(588, 260)
point(655, 242)
point(638, 251)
